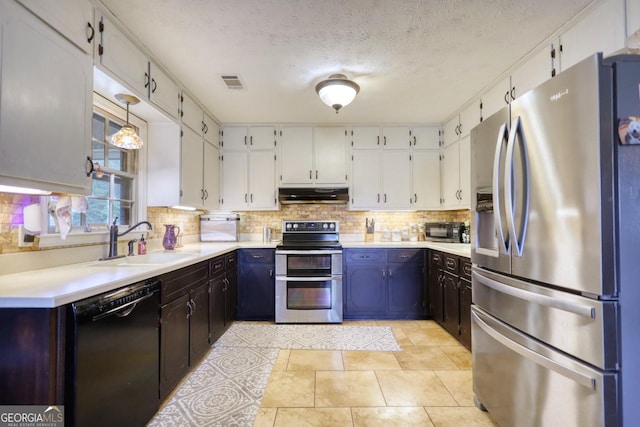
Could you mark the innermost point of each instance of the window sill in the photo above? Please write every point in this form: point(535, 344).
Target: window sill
point(79, 238)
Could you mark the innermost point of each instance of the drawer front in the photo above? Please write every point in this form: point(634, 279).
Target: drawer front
point(262, 256)
point(366, 255)
point(435, 259)
point(231, 261)
point(181, 281)
point(405, 255)
point(216, 266)
point(465, 268)
point(451, 264)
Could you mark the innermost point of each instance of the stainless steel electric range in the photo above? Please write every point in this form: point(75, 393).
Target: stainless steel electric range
point(309, 273)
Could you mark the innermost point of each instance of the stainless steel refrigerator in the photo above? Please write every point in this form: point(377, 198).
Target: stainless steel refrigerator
point(555, 212)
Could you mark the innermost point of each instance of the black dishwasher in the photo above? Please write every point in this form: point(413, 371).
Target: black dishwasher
point(112, 376)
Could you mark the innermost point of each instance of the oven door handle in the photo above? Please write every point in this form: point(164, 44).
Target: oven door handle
point(309, 252)
point(308, 279)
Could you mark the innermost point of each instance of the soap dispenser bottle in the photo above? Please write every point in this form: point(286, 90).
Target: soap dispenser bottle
point(142, 246)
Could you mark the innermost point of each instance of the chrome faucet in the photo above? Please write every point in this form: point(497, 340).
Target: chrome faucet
point(113, 236)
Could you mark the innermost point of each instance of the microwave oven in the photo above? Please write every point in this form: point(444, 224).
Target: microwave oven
point(448, 232)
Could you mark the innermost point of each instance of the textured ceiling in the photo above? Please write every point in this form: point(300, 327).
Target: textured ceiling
point(415, 60)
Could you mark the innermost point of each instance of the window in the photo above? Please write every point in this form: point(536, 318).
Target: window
point(113, 181)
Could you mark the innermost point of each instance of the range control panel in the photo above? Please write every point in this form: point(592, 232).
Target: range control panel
point(310, 226)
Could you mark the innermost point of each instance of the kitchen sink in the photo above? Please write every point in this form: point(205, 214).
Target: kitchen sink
point(159, 258)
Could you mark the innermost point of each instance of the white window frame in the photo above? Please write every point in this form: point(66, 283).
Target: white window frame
point(80, 237)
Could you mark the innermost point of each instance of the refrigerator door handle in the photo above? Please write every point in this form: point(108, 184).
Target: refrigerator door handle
point(503, 135)
point(571, 307)
point(539, 359)
point(516, 134)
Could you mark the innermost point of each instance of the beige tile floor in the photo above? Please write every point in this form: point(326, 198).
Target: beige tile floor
point(428, 383)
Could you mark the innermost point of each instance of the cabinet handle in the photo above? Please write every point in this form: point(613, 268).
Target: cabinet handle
point(90, 169)
point(384, 273)
point(256, 256)
point(206, 128)
point(206, 194)
point(193, 304)
point(154, 85)
point(251, 140)
point(189, 309)
point(389, 273)
point(513, 97)
point(245, 140)
point(364, 256)
point(146, 79)
point(506, 97)
point(251, 198)
point(385, 140)
point(385, 197)
point(92, 33)
point(415, 198)
point(270, 274)
point(245, 198)
point(378, 139)
point(316, 174)
point(405, 256)
point(414, 140)
point(378, 197)
point(201, 194)
point(310, 174)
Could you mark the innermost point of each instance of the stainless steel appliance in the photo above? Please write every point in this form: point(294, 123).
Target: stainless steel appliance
point(555, 238)
point(113, 380)
point(219, 227)
point(332, 196)
point(309, 273)
point(448, 232)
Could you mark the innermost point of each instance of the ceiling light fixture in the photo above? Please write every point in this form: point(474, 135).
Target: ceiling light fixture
point(337, 91)
point(126, 137)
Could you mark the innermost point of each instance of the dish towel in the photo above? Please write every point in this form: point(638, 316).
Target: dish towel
point(64, 206)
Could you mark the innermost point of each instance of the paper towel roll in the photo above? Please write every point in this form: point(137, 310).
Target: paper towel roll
point(31, 218)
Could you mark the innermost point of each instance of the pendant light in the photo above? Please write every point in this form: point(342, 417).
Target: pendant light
point(337, 91)
point(126, 137)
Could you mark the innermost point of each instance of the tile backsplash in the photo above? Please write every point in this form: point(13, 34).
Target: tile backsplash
point(251, 222)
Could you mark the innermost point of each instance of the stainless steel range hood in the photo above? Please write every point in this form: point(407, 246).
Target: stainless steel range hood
point(336, 196)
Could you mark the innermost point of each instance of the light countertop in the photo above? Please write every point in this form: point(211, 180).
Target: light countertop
point(57, 286)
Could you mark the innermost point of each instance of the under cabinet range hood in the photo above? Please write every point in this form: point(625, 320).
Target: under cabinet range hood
point(290, 196)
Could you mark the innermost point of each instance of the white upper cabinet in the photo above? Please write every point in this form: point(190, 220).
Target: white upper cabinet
point(535, 71)
point(455, 174)
point(469, 118)
point(163, 92)
point(248, 164)
point(396, 137)
point(253, 137)
point(72, 18)
point(248, 180)
point(365, 137)
point(211, 131)
point(426, 137)
point(262, 137)
point(451, 130)
point(396, 179)
point(191, 114)
point(234, 138)
point(191, 189)
point(313, 156)
point(330, 155)
point(164, 166)
point(426, 179)
point(601, 30)
point(46, 86)
point(117, 54)
point(365, 179)
point(296, 155)
point(235, 180)
point(496, 98)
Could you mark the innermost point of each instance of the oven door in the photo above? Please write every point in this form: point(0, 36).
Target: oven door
point(308, 263)
point(308, 299)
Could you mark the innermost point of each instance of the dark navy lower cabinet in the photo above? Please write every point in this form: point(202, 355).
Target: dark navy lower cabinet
point(384, 284)
point(256, 284)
